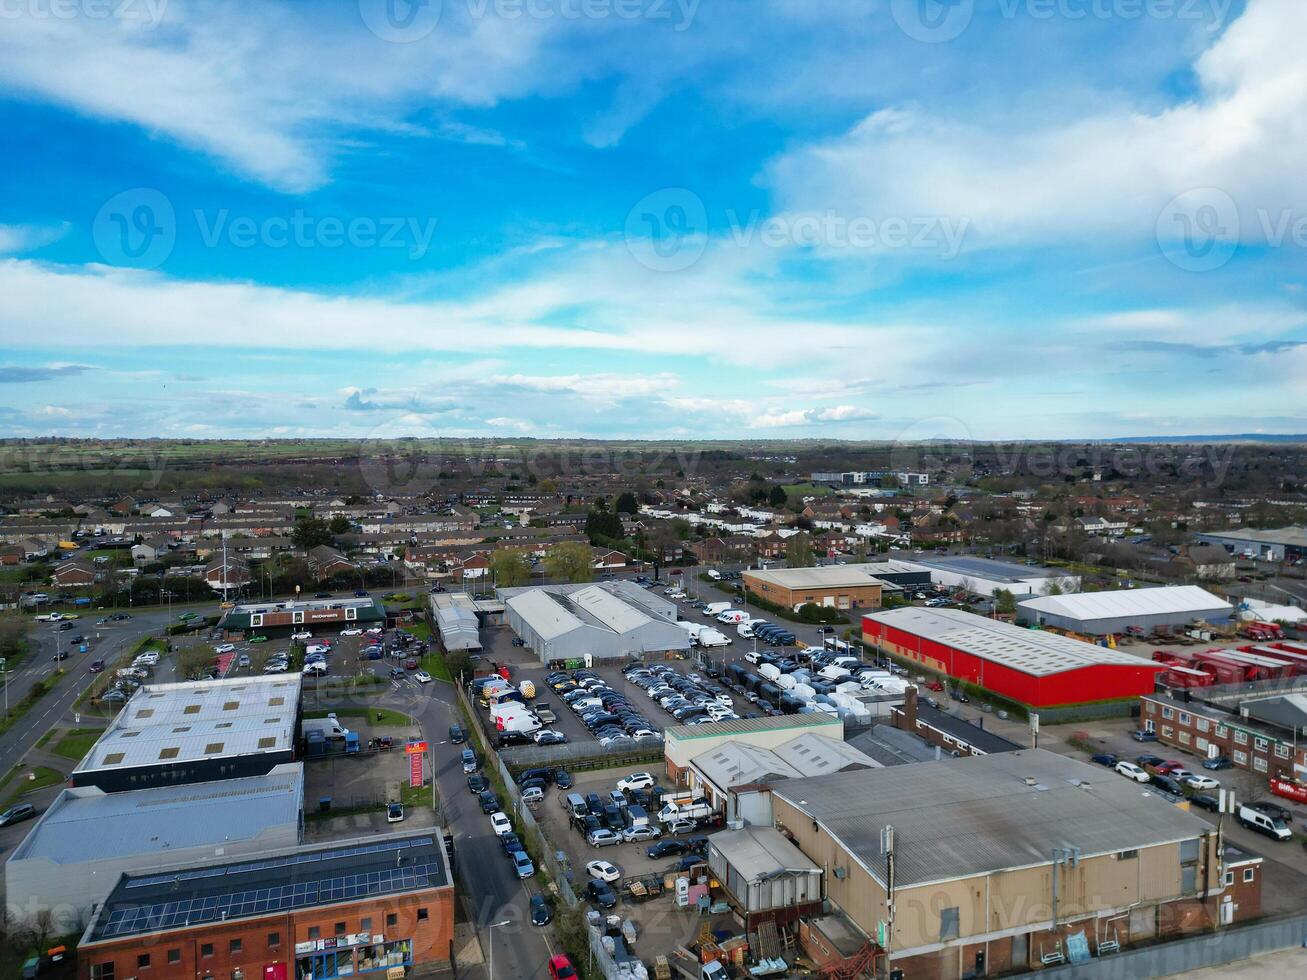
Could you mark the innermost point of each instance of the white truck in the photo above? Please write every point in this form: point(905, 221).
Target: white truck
point(697, 809)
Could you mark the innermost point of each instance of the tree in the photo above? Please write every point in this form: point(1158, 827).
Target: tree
point(778, 497)
point(627, 504)
point(510, 568)
point(339, 524)
point(1004, 601)
point(798, 550)
point(603, 525)
point(13, 634)
point(309, 532)
point(570, 561)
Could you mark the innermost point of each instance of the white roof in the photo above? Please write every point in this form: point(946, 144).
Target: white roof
point(87, 824)
point(197, 720)
point(547, 617)
point(1029, 651)
point(823, 576)
point(618, 616)
point(1167, 600)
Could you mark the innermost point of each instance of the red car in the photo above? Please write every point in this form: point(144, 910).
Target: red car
point(410, 664)
point(1169, 766)
point(560, 968)
point(96, 666)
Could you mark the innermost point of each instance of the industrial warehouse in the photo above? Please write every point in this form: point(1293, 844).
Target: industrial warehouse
point(985, 576)
point(1028, 667)
point(604, 621)
point(1126, 610)
point(284, 618)
point(1288, 544)
point(857, 586)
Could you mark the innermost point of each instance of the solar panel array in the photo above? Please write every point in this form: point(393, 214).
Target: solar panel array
point(260, 901)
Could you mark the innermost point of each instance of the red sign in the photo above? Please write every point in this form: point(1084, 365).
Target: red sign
point(415, 748)
point(1289, 790)
point(415, 770)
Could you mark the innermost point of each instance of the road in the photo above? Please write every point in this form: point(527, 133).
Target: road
point(495, 894)
point(115, 639)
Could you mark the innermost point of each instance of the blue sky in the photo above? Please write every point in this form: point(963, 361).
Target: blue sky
point(653, 218)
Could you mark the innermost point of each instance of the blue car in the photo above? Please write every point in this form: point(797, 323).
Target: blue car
point(523, 865)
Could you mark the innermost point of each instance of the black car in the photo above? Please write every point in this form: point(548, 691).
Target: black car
point(1149, 760)
point(511, 843)
point(1206, 802)
point(697, 845)
point(1166, 783)
point(513, 738)
point(1220, 762)
point(61, 655)
point(595, 804)
point(477, 783)
point(1105, 759)
point(601, 894)
point(488, 800)
point(540, 913)
point(666, 848)
point(457, 735)
point(562, 779)
point(535, 775)
point(613, 819)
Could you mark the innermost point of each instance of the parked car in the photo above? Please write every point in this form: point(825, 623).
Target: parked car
point(602, 837)
point(532, 794)
point(477, 783)
point(394, 812)
point(1206, 802)
point(1166, 784)
point(603, 870)
point(601, 894)
point(1220, 762)
point(488, 800)
point(540, 911)
point(560, 968)
point(562, 779)
point(1142, 735)
point(17, 814)
point(647, 832)
point(666, 848)
point(457, 735)
point(1194, 781)
point(1148, 760)
point(522, 864)
point(500, 823)
point(637, 780)
point(1105, 759)
point(1131, 771)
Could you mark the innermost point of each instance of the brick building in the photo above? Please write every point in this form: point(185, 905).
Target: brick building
point(1207, 730)
point(840, 586)
point(374, 903)
point(954, 735)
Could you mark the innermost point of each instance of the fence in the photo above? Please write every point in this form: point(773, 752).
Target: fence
point(584, 755)
point(537, 844)
point(1185, 955)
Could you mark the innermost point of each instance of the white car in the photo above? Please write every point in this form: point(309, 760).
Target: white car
point(546, 733)
point(148, 659)
point(603, 870)
point(313, 648)
point(637, 780)
point(422, 677)
point(678, 595)
point(275, 668)
point(353, 631)
point(1132, 771)
point(315, 667)
point(500, 823)
point(1200, 782)
point(225, 648)
point(375, 631)
point(302, 635)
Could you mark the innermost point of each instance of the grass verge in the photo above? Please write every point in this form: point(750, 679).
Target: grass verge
point(76, 743)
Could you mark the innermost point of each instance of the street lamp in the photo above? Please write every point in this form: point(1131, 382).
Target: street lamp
point(490, 930)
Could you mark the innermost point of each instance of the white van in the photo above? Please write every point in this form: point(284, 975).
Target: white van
point(715, 575)
point(1263, 823)
point(732, 616)
point(715, 608)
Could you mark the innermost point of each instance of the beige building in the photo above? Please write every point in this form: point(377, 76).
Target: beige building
point(1002, 862)
point(840, 586)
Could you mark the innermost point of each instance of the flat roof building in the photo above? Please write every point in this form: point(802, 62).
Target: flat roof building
point(1272, 544)
point(374, 903)
point(684, 742)
point(605, 620)
point(1116, 611)
point(191, 732)
point(985, 576)
point(1000, 861)
point(73, 856)
point(1029, 667)
point(284, 616)
point(841, 586)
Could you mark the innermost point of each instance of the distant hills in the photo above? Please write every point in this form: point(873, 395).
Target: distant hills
point(1233, 437)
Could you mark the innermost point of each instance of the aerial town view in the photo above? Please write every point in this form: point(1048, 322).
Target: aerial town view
point(653, 489)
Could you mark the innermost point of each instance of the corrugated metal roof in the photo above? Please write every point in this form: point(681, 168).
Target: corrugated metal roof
point(459, 628)
point(822, 576)
point(758, 853)
point(1029, 651)
point(612, 612)
point(1123, 603)
point(813, 754)
point(743, 726)
point(87, 824)
point(195, 720)
point(975, 815)
point(739, 764)
point(543, 614)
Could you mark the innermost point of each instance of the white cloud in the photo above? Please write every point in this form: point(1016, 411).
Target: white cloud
point(1109, 172)
point(15, 239)
point(605, 387)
